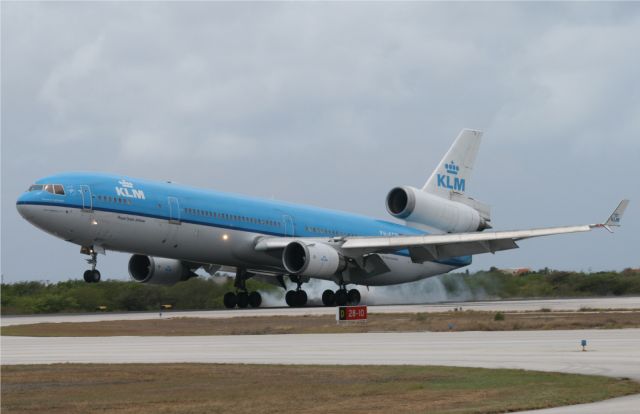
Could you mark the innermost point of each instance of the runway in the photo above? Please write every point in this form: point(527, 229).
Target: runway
point(613, 353)
point(610, 352)
point(625, 303)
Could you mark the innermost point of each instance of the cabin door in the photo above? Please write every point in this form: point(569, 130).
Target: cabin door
point(289, 229)
point(87, 202)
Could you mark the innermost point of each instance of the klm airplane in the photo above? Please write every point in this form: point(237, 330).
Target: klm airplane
point(173, 230)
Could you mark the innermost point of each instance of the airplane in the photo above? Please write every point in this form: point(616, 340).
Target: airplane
point(173, 230)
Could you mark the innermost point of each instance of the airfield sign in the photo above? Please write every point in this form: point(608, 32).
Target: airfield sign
point(351, 313)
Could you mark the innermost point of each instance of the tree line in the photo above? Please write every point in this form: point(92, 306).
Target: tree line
point(112, 295)
point(207, 293)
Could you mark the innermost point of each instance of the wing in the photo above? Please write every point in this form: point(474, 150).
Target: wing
point(433, 247)
point(444, 246)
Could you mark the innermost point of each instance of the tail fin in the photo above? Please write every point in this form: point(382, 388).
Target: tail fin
point(455, 168)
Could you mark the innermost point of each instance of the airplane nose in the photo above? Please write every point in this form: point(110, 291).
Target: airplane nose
point(22, 208)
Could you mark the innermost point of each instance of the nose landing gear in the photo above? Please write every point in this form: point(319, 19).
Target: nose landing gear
point(93, 275)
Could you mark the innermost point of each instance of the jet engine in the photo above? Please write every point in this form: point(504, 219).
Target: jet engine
point(313, 259)
point(158, 270)
point(418, 206)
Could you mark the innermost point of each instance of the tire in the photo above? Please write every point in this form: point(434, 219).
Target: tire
point(328, 298)
point(88, 276)
point(354, 297)
point(290, 298)
point(301, 298)
point(243, 300)
point(96, 276)
point(230, 300)
point(341, 297)
point(255, 299)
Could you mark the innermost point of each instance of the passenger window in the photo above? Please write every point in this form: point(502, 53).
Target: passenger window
point(58, 189)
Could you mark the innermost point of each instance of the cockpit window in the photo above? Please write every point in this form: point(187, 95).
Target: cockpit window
point(50, 188)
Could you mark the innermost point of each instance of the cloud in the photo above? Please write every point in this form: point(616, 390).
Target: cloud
point(331, 104)
point(80, 68)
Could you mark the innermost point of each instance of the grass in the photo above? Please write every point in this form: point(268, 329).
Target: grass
point(223, 388)
point(417, 322)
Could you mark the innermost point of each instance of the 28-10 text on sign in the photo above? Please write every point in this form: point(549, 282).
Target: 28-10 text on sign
point(352, 313)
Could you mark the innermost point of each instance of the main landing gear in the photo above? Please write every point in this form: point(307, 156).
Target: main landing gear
point(296, 298)
point(341, 297)
point(92, 276)
point(242, 298)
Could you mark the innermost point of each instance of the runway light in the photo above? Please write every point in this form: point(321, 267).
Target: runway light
point(225, 237)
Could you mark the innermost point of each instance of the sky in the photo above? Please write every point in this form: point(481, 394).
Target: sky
point(330, 104)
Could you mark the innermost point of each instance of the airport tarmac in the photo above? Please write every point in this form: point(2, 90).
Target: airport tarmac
point(614, 352)
point(492, 306)
point(609, 352)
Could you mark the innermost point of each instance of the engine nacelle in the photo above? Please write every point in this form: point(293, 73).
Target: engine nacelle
point(313, 259)
point(158, 270)
point(418, 206)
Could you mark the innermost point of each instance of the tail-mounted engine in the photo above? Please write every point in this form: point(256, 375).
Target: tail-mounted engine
point(457, 215)
point(158, 270)
point(313, 259)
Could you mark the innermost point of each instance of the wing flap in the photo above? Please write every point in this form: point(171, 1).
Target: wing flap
point(425, 253)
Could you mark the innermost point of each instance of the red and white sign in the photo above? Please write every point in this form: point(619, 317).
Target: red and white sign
point(352, 313)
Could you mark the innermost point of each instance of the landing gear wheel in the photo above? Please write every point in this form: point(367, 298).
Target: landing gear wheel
point(243, 300)
point(91, 276)
point(290, 298)
point(230, 300)
point(255, 299)
point(353, 297)
point(341, 297)
point(301, 298)
point(88, 276)
point(328, 298)
point(296, 298)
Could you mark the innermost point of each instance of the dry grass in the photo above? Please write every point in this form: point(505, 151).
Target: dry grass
point(457, 321)
point(215, 388)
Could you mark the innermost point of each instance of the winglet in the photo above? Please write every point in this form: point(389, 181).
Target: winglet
point(615, 217)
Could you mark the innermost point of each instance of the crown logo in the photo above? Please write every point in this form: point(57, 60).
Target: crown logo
point(452, 168)
point(126, 184)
